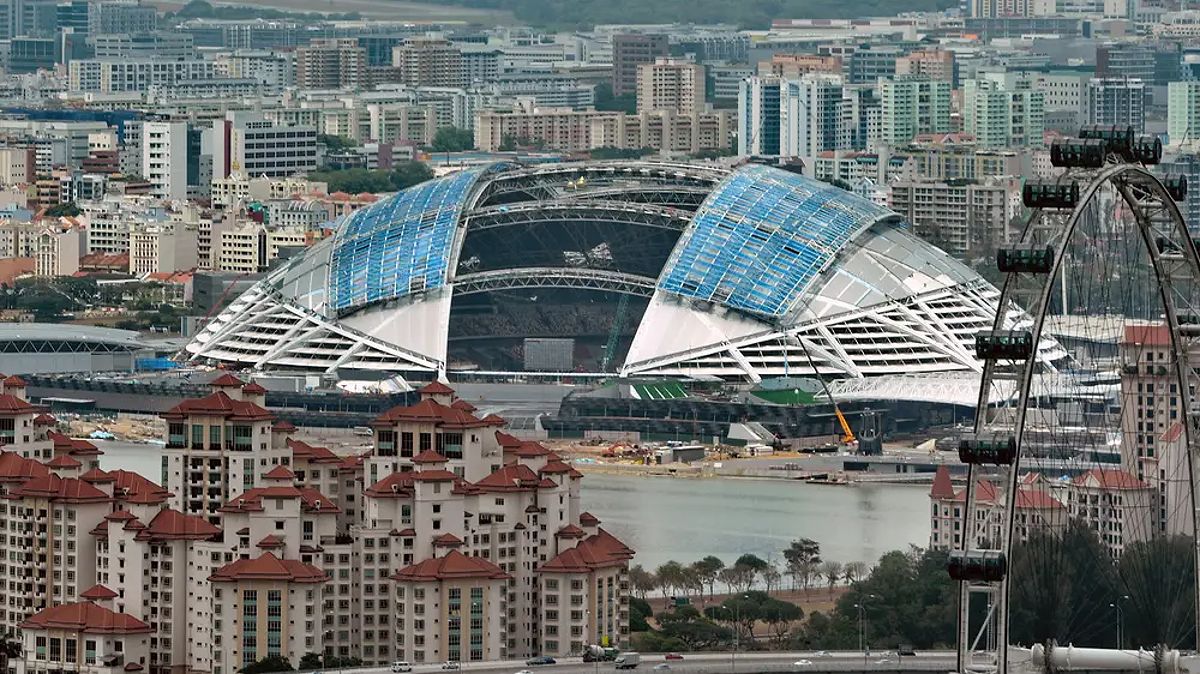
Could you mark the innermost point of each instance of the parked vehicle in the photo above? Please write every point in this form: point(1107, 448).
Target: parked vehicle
point(540, 660)
point(400, 666)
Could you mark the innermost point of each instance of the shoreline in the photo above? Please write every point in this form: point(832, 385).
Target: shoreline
point(708, 472)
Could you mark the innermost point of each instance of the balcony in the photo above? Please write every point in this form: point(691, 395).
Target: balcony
point(176, 441)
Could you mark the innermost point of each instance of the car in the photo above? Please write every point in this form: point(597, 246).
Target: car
point(802, 663)
point(673, 656)
point(451, 664)
point(662, 667)
point(883, 661)
point(400, 666)
point(540, 660)
point(524, 671)
point(822, 654)
point(905, 649)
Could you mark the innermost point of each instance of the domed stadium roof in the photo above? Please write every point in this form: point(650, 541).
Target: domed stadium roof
point(746, 273)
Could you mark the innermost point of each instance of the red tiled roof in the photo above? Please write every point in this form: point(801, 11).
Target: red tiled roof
point(97, 476)
point(435, 388)
point(429, 411)
point(588, 520)
point(453, 564)
point(396, 485)
point(63, 489)
point(85, 617)
point(253, 388)
point(269, 567)
point(571, 531)
point(512, 477)
point(283, 426)
point(131, 487)
point(1036, 499)
point(227, 381)
point(75, 446)
point(10, 404)
point(943, 487)
point(63, 461)
point(447, 540)
point(555, 468)
point(311, 500)
point(120, 516)
point(16, 468)
point(463, 405)
point(507, 441)
point(303, 450)
point(594, 552)
point(1152, 334)
point(494, 420)
point(1109, 478)
point(270, 542)
point(409, 532)
point(219, 404)
point(280, 472)
point(429, 456)
point(97, 592)
point(172, 525)
point(14, 381)
point(44, 420)
point(530, 449)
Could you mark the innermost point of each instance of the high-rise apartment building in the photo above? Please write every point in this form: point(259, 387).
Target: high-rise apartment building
point(963, 217)
point(165, 158)
point(911, 105)
point(759, 132)
point(1002, 117)
point(1119, 102)
point(157, 45)
point(334, 63)
point(810, 116)
point(670, 84)
point(121, 17)
point(631, 50)
point(937, 64)
point(429, 62)
point(795, 66)
point(1183, 113)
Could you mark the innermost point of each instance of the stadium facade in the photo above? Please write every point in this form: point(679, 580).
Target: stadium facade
point(744, 273)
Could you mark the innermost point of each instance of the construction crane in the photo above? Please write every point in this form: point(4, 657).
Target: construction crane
point(848, 437)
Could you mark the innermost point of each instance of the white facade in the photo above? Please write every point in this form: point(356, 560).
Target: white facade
point(165, 158)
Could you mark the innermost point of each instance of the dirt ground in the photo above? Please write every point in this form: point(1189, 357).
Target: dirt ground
point(813, 599)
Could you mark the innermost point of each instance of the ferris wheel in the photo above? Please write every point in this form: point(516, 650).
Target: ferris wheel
point(1077, 523)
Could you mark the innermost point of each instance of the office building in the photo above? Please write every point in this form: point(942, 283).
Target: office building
point(795, 66)
point(158, 45)
point(162, 248)
point(912, 105)
point(870, 62)
point(31, 54)
point(670, 84)
point(631, 50)
point(1120, 102)
point(247, 142)
point(133, 75)
point(1126, 60)
point(121, 17)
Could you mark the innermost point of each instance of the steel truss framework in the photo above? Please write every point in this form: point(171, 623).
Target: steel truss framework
point(63, 346)
point(569, 211)
point(1176, 269)
point(557, 180)
point(554, 277)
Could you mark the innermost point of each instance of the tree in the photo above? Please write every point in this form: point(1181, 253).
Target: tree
point(65, 209)
point(707, 570)
point(853, 571)
point(670, 577)
point(692, 628)
point(605, 100)
point(780, 616)
point(453, 139)
point(336, 143)
point(642, 581)
point(771, 577)
point(310, 661)
point(832, 571)
point(403, 174)
point(271, 663)
point(802, 558)
point(639, 611)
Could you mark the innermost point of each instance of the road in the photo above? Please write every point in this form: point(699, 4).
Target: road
point(717, 663)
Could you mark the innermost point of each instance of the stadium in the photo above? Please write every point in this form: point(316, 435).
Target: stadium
point(655, 270)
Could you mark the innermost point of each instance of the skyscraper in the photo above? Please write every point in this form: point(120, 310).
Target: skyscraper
point(810, 115)
point(1183, 112)
point(630, 51)
point(1119, 102)
point(1000, 116)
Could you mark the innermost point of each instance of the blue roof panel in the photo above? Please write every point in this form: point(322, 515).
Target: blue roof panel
point(398, 246)
point(761, 237)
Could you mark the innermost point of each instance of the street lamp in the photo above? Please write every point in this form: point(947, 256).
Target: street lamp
point(737, 633)
point(862, 610)
point(1120, 620)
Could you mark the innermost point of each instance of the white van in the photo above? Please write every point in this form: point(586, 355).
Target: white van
point(400, 666)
